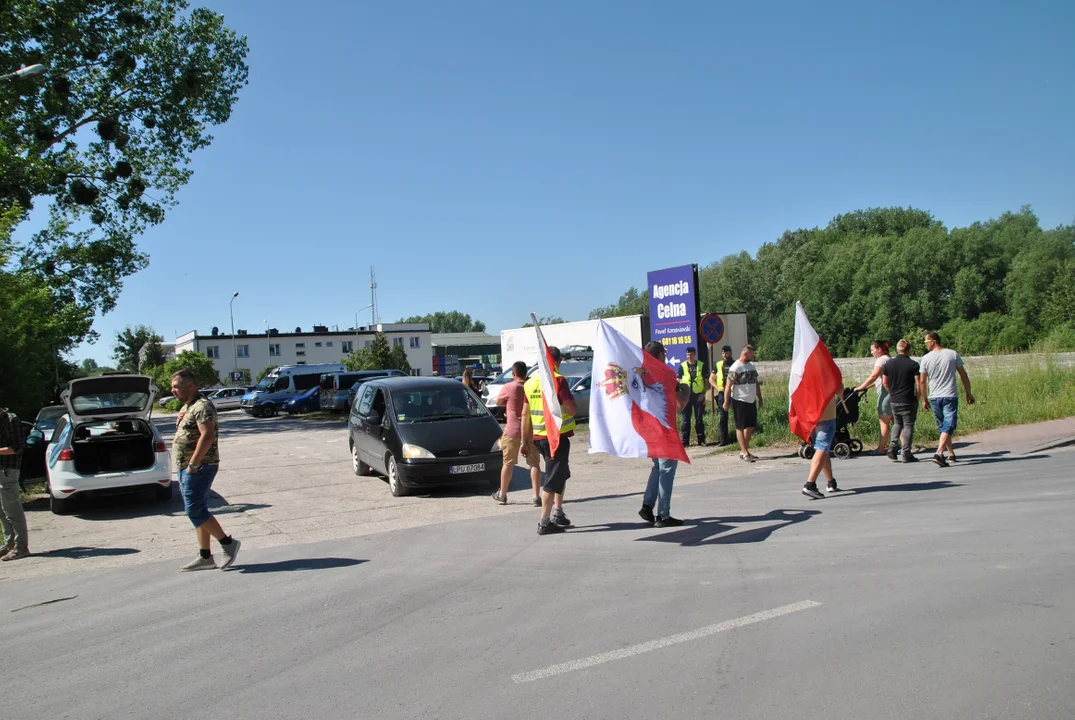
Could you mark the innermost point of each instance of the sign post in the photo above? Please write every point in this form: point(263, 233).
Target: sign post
point(711, 328)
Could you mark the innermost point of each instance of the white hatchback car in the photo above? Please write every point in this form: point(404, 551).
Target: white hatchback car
point(106, 444)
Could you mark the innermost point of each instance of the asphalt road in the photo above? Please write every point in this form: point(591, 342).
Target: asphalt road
point(938, 594)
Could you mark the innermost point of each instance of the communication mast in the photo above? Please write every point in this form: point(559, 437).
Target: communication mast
point(373, 294)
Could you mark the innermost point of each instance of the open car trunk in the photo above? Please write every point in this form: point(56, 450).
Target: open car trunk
point(113, 446)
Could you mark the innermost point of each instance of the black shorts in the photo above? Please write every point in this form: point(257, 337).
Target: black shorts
point(745, 414)
point(556, 469)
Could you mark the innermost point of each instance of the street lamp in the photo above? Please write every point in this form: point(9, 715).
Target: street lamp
point(234, 347)
point(356, 322)
point(28, 71)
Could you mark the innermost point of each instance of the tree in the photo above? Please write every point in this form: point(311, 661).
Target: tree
point(380, 352)
point(542, 320)
point(398, 359)
point(106, 135)
point(361, 359)
point(631, 302)
point(202, 367)
point(447, 322)
point(264, 372)
point(137, 346)
point(89, 365)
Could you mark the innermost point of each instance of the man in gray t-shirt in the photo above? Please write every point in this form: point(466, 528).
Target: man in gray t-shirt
point(940, 366)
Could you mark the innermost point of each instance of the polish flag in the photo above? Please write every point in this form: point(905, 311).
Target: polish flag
point(632, 401)
point(815, 378)
point(550, 403)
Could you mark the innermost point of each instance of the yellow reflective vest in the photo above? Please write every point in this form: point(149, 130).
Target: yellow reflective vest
point(532, 390)
point(719, 372)
point(698, 386)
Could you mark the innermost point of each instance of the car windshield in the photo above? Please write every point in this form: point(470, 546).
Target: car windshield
point(435, 403)
point(503, 377)
point(48, 417)
point(266, 382)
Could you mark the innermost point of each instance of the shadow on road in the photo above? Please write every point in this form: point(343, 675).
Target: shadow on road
point(713, 530)
point(994, 457)
point(901, 487)
point(124, 507)
point(77, 553)
point(300, 564)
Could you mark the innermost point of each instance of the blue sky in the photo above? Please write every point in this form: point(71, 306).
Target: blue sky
point(468, 148)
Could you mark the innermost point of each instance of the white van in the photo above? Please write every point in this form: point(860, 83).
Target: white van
point(282, 383)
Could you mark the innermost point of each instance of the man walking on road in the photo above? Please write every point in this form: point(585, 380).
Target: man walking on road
point(512, 399)
point(12, 518)
point(823, 437)
point(940, 366)
point(716, 379)
point(742, 393)
point(902, 377)
point(198, 459)
point(659, 488)
point(691, 376)
point(553, 519)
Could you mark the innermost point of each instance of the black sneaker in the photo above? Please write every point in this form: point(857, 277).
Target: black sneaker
point(810, 490)
point(892, 455)
point(939, 459)
point(646, 513)
point(560, 520)
point(550, 529)
point(909, 458)
point(832, 487)
point(663, 522)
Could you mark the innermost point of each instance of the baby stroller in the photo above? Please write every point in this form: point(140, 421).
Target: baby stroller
point(847, 414)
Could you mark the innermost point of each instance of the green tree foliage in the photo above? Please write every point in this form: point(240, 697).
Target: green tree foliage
point(137, 346)
point(361, 359)
point(202, 367)
point(397, 359)
point(380, 351)
point(631, 302)
point(265, 371)
point(543, 320)
point(447, 322)
point(88, 366)
point(106, 135)
point(887, 273)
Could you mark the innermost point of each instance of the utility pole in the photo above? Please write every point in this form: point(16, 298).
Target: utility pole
point(373, 294)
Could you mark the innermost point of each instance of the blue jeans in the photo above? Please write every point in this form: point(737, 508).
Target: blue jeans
point(824, 434)
point(659, 487)
point(195, 488)
point(946, 412)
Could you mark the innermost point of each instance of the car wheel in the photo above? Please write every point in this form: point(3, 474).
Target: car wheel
point(164, 494)
point(394, 484)
point(268, 411)
point(357, 465)
point(60, 506)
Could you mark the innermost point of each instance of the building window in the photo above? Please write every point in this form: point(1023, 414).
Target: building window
point(416, 342)
point(367, 345)
point(301, 362)
point(300, 353)
point(348, 345)
point(274, 349)
point(328, 344)
point(212, 352)
point(416, 372)
point(317, 344)
point(300, 346)
point(242, 351)
point(397, 341)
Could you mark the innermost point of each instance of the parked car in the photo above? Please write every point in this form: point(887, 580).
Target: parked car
point(366, 376)
point(227, 398)
point(32, 465)
point(107, 446)
point(580, 389)
point(423, 432)
point(304, 402)
point(46, 420)
point(568, 368)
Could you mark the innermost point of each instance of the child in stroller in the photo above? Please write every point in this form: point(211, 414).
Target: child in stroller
point(847, 414)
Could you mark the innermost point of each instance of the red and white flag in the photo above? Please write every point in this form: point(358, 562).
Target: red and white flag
point(632, 401)
point(815, 378)
point(550, 403)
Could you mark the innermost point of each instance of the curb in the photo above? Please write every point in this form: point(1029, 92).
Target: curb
point(1052, 444)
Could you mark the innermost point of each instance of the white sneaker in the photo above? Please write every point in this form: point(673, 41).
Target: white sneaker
point(199, 563)
point(230, 553)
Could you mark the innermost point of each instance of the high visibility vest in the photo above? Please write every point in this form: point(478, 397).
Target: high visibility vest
point(532, 390)
point(698, 386)
point(720, 375)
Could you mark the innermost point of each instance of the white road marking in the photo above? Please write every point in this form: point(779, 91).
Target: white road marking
point(664, 642)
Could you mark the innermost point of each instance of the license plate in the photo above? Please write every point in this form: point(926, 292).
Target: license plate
point(460, 469)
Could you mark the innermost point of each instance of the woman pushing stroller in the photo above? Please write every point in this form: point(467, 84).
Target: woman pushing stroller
point(879, 351)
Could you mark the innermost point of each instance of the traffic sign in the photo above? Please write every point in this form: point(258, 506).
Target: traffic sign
point(238, 376)
point(711, 328)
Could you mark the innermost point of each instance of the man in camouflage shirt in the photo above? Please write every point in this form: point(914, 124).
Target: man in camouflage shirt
point(197, 460)
point(12, 517)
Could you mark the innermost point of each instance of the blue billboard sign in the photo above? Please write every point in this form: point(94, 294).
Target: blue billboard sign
point(673, 310)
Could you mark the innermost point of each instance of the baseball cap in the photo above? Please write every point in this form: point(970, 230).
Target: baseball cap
point(726, 348)
point(691, 348)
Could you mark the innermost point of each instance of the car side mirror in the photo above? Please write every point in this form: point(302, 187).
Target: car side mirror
point(374, 418)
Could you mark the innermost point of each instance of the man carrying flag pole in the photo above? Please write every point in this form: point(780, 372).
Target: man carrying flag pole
point(550, 408)
point(812, 389)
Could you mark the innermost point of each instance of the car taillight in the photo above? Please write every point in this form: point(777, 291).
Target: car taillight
point(160, 446)
point(66, 454)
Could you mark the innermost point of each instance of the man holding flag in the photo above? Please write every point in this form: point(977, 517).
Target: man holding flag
point(550, 407)
point(812, 388)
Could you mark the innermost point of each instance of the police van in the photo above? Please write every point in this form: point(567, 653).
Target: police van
point(283, 383)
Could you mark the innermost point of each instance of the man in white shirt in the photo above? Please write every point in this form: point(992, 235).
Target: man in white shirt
point(742, 394)
point(940, 366)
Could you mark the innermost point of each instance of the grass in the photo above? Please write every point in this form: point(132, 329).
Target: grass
point(1027, 394)
point(32, 489)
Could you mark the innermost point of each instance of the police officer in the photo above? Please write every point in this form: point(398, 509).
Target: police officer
point(691, 375)
point(716, 379)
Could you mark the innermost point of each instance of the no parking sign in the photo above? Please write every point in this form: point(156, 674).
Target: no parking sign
point(711, 328)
